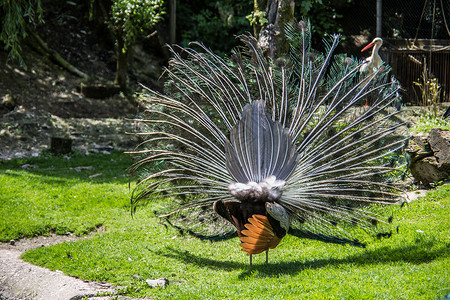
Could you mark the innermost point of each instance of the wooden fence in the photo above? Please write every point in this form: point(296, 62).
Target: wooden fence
point(408, 61)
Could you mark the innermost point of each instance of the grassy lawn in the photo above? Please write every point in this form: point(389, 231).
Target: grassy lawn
point(57, 197)
point(62, 194)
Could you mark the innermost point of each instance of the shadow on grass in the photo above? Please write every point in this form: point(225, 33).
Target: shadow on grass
point(42, 179)
point(418, 253)
point(98, 168)
point(189, 258)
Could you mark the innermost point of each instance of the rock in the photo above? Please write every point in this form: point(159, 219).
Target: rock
point(7, 103)
point(19, 154)
point(161, 282)
point(107, 148)
point(430, 156)
point(439, 141)
point(28, 166)
point(82, 168)
point(427, 171)
point(419, 147)
point(95, 175)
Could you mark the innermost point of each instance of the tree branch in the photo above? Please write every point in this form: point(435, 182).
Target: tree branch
point(41, 45)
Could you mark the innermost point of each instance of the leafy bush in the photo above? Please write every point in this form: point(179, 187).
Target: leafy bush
point(129, 18)
point(215, 23)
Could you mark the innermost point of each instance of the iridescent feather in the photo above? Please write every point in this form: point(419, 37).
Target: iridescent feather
point(287, 140)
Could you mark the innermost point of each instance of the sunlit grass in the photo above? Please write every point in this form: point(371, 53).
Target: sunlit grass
point(428, 121)
point(73, 194)
point(412, 264)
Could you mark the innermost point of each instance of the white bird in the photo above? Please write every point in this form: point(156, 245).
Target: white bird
point(373, 62)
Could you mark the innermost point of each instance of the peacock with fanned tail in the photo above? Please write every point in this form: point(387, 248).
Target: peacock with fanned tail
point(265, 148)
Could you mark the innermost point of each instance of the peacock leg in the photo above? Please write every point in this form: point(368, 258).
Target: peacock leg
point(250, 259)
point(267, 256)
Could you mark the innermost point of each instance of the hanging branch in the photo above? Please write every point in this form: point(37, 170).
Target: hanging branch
point(38, 43)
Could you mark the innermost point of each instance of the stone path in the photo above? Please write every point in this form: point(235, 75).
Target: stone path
point(21, 280)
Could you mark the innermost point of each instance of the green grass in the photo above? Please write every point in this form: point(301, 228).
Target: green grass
point(427, 122)
point(52, 196)
point(412, 264)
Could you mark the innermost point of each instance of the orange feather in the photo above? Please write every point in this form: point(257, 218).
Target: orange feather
point(258, 235)
point(258, 230)
point(253, 241)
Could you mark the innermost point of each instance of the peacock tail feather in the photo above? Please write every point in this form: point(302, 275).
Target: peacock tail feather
point(293, 128)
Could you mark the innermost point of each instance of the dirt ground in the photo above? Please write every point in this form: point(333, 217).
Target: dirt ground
point(22, 280)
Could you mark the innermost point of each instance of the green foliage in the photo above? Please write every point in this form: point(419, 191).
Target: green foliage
point(14, 15)
point(130, 18)
point(439, 194)
point(214, 23)
point(428, 121)
point(61, 194)
point(257, 17)
point(323, 15)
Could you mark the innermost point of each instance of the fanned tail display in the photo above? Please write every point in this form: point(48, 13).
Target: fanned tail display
point(265, 148)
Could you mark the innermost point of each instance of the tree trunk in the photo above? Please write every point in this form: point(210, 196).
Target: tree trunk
point(122, 64)
point(173, 21)
point(272, 37)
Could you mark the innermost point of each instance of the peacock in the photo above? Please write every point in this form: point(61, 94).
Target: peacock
point(263, 147)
